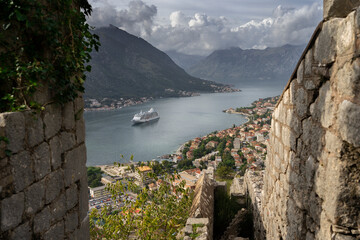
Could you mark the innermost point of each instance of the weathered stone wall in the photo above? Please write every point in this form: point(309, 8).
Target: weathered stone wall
point(43, 185)
point(202, 210)
point(312, 177)
point(253, 185)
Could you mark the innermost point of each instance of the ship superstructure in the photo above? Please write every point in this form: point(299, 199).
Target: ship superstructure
point(143, 117)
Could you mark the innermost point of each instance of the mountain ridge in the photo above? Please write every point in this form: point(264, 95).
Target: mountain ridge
point(127, 66)
point(249, 66)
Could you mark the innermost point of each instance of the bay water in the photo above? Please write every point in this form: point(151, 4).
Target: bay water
point(110, 134)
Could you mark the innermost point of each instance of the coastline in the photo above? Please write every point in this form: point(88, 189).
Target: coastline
point(94, 105)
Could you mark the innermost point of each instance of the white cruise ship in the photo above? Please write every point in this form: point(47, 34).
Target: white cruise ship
point(143, 117)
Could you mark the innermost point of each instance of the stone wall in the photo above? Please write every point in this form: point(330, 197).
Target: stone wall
point(312, 177)
point(43, 185)
point(201, 215)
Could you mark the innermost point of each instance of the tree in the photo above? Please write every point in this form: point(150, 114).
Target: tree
point(224, 171)
point(158, 214)
point(94, 175)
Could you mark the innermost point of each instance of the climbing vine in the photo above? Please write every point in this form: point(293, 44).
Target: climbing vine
point(43, 44)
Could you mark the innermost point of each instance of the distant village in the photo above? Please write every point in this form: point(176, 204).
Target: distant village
point(220, 154)
point(92, 104)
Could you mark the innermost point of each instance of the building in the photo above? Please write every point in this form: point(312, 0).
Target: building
point(107, 180)
point(98, 192)
point(237, 143)
point(141, 175)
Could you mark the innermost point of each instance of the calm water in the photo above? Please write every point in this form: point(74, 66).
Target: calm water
point(110, 134)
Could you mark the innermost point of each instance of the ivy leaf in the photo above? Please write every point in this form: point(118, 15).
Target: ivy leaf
point(6, 26)
point(19, 16)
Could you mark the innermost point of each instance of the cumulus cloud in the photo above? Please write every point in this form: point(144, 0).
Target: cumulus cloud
point(201, 34)
point(137, 19)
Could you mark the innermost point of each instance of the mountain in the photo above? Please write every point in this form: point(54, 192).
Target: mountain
point(185, 61)
point(127, 66)
point(249, 67)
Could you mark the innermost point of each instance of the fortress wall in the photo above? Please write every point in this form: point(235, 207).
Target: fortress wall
point(253, 185)
point(43, 183)
point(201, 216)
point(312, 180)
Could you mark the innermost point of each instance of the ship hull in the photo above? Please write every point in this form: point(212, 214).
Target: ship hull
point(139, 121)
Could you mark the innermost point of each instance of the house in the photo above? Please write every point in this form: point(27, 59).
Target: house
point(189, 155)
point(211, 145)
point(237, 143)
point(107, 180)
point(141, 175)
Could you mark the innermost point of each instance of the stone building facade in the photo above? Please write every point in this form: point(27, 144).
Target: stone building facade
point(312, 179)
point(43, 183)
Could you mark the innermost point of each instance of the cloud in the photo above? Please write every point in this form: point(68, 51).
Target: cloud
point(137, 19)
point(200, 34)
point(203, 34)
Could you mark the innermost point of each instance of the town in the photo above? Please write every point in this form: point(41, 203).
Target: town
point(220, 154)
point(93, 104)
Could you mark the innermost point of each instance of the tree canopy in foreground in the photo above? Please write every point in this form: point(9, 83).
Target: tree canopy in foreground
point(157, 214)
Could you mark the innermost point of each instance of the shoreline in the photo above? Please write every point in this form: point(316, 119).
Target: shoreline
point(136, 101)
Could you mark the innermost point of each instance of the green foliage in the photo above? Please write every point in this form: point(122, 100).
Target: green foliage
point(43, 44)
point(227, 160)
point(158, 214)
point(185, 164)
point(224, 172)
point(94, 175)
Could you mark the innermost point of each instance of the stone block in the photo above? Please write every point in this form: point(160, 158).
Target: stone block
point(42, 221)
point(41, 158)
point(325, 44)
point(34, 129)
point(310, 169)
point(309, 59)
point(23, 173)
point(339, 236)
point(22, 232)
point(12, 209)
point(347, 80)
point(67, 141)
point(80, 131)
point(58, 208)
point(301, 102)
point(277, 129)
point(333, 143)
point(83, 198)
point(346, 36)
point(68, 120)
point(56, 232)
point(286, 97)
point(309, 84)
point(292, 91)
point(52, 120)
point(72, 197)
point(348, 119)
point(79, 106)
point(55, 151)
point(34, 197)
point(300, 73)
point(338, 8)
point(71, 221)
point(74, 166)
point(13, 124)
point(323, 109)
point(54, 184)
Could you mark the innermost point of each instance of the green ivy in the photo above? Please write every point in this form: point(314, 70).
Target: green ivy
point(43, 44)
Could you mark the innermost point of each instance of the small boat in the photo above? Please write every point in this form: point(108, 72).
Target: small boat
point(143, 117)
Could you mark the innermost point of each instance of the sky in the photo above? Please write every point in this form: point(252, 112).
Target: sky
point(199, 27)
